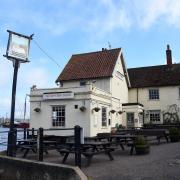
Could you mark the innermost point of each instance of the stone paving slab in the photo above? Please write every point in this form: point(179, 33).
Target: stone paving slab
point(163, 163)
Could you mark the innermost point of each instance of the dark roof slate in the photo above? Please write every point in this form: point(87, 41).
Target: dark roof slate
point(91, 65)
point(162, 75)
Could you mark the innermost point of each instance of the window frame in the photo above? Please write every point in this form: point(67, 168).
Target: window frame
point(179, 92)
point(153, 95)
point(130, 113)
point(155, 112)
point(82, 83)
point(104, 118)
point(59, 119)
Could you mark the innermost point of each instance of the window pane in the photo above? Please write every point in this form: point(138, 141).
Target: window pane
point(58, 116)
point(155, 116)
point(104, 116)
point(153, 93)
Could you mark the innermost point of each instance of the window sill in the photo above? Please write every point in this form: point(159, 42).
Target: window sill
point(153, 99)
point(58, 127)
point(104, 127)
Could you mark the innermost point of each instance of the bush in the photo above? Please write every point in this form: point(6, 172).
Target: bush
point(140, 140)
point(141, 145)
point(174, 134)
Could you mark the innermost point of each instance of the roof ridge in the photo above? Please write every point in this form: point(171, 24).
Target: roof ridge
point(149, 66)
point(96, 51)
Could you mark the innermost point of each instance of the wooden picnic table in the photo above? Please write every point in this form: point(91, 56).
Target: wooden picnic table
point(88, 150)
point(31, 144)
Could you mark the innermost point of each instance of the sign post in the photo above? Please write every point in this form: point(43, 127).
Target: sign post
point(18, 52)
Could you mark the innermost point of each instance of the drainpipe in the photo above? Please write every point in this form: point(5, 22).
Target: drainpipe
point(137, 95)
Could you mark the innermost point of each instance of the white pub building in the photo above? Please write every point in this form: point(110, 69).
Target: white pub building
point(96, 93)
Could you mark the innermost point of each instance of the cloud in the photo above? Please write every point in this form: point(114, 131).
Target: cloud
point(150, 12)
point(92, 17)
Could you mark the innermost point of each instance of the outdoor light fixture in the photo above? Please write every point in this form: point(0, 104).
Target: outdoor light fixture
point(18, 52)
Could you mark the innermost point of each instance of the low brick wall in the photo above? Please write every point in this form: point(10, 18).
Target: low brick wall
point(21, 169)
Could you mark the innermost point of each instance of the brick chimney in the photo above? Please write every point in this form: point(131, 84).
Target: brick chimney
point(168, 55)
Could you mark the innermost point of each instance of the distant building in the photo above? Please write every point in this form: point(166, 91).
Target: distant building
point(158, 89)
point(96, 91)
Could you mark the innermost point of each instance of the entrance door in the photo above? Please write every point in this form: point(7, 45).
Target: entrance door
point(130, 119)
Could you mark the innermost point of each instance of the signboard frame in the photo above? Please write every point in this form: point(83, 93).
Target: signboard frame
point(15, 40)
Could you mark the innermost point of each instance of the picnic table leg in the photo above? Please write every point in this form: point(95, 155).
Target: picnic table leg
point(132, 149)
point(122, 147)
point(110, 155)
point(158, 138)
point(26, 152)
point(167, 139)
point(88, 159)
point(65, 157)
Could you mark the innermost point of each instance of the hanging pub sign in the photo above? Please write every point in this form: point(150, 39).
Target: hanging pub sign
point(18, 46)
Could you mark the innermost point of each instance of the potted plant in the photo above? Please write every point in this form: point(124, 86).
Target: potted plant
point(174, 134)
point(120, 112)
point(112, 111)
point(96, 109)
point(82, 108)
point(141, 145)
point(37, 109)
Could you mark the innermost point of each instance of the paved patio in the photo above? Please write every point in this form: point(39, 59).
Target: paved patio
point(163, 163)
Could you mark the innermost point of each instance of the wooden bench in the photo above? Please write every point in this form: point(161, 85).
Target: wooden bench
point(87, 154)
point(157, 133)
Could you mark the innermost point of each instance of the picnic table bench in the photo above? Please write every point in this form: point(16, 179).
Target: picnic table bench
point(149, 133)
point(157, 133)
point(27, 145)
point(88, 150)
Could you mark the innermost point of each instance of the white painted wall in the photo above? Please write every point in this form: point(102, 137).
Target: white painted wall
point(119, 86)
point(109, 92)
point(168, 95)
point(103, 84)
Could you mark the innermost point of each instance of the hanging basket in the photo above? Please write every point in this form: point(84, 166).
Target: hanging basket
point(120, 112)
point(82, 108)
point(37, 109)
point(96, 109)
point(112, 111)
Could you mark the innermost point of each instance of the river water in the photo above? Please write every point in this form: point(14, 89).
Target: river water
point(4, 137)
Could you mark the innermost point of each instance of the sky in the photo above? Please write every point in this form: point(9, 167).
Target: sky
point(142, 28)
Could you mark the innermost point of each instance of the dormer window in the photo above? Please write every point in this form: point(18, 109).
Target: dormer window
point(82, 83)
point(153, 94)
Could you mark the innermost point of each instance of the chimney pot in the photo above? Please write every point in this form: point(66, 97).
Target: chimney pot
point(168, 55)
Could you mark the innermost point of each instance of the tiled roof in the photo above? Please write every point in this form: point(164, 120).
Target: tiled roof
point(163, 75)
point(90, 65)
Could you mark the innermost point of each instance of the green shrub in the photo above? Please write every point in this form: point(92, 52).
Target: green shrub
point(174, 134)
point(140, 140)
point(141, 145)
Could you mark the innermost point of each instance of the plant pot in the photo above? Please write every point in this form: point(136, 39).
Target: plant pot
point(112, 111)
point(96, 109)
point(37, 109)
point(82, 108)
point(142, 149)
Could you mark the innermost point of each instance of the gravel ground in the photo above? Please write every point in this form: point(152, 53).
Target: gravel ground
point(163, 163)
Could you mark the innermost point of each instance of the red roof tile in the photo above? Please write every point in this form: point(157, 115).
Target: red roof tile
point(162, 75)
point(90, 65)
